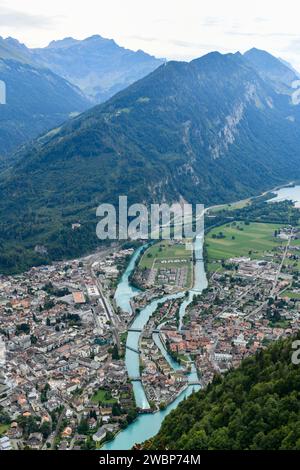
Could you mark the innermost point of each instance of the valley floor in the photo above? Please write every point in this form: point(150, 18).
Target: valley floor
point(64, 382)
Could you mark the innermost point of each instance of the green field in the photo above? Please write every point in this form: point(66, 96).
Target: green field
point(165, 250)
point(104, 397)
point(254, 240)
point(291, 295)
point(231, 207)
point(3, 429)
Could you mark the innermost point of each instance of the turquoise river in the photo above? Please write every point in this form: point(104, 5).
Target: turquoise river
point(148, 424)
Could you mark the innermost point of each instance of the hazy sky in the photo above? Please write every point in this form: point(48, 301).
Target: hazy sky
point(177, 29)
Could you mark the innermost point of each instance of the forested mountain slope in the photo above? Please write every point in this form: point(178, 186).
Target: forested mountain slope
point(256, 406)
point(207, 131)
point(36, 101)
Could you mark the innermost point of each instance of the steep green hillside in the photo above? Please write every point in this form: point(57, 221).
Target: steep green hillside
point(36, 101)
point(208, 131)
point(256, 406)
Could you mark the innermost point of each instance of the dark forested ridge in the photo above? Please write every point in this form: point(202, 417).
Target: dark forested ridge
point(36, 101)
point(209, 131)
point(256, 406)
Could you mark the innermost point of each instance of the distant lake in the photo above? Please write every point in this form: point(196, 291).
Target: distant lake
point(290, 194)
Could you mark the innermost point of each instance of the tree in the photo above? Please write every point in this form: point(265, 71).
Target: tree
point(4, 417)
point(115, 353)
point(83, 426)
point(23, 328)
point(116, 409)
point(89, 444)
point(33, 339)
point(131, 415)
point(29, 424)
point(45, 390)
point(93, 414)
point(46, 429)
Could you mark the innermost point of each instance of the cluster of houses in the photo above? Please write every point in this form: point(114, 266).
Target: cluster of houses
point(55, 352)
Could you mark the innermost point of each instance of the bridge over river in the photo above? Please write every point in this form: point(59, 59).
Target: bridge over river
point(132, 349)
point(139, 330)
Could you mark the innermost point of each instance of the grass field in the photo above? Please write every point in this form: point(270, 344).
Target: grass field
point(165, 250)
point(291, 295)
point(231, 207)
point(104, 397)
point(253, 240)
point(3, 429)
point(295, 242)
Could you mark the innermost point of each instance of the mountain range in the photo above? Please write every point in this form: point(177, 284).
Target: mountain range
point(36, 100)
point(46, 86)
point(217, 129)
point(99, 67)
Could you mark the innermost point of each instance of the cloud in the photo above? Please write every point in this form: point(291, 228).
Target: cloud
point(190, 45)
point(16, 19)
point(260, 19)
point(261, 35)
point(176, 43)
point(294, 45)
point(240, 33)
point(142, 38)
point(210, 21)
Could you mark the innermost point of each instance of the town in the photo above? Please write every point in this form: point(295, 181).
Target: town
point(63, 383)
point(63, 378)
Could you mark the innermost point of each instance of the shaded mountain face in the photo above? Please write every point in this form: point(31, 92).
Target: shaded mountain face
point(279, 73)
point(207, 131)
point(10, 48)
point(287, 64)
point(98, 66)
point(36, 100)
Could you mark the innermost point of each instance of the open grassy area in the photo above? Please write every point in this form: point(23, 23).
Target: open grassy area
point(104, 397)
point(291, 295)
point(254, 240)
point(231, 207)
point(165, 250)
point(3, 429)
point(280, 324)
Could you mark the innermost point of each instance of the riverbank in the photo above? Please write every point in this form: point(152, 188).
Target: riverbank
point(147, 425)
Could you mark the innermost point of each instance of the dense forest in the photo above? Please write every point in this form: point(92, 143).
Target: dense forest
point(254, 407)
